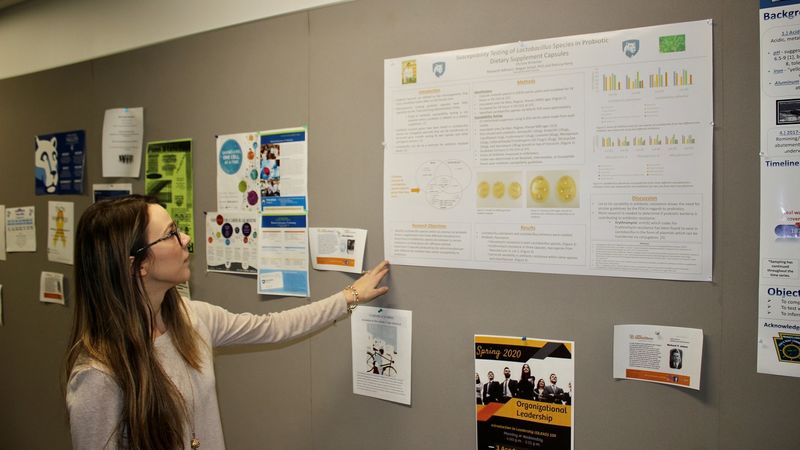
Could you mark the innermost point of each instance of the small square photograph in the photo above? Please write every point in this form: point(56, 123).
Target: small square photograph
point(788, 111)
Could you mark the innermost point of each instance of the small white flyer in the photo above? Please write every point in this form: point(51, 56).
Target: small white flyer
point(658, 354)
point(51, 288)
point(2, 232)
point(382, 353)
point(123, 132)
point(107, 191)
point(338, 249)
point(21, 229)
point(60, 232)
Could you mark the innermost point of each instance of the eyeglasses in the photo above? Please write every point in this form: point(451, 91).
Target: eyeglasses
point(175, 232)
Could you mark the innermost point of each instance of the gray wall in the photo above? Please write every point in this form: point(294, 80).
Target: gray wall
point(324, 68)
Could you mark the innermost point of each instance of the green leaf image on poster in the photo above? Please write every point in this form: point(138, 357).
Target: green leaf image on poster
point(671, 44)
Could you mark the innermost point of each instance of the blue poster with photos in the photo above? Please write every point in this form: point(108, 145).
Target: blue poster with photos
point(59, 163)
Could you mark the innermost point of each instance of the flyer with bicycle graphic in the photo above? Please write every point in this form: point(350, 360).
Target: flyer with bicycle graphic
point(382, 353)
point(524, 393)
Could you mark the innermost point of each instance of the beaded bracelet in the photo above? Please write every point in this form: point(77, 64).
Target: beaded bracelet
point(353, 291)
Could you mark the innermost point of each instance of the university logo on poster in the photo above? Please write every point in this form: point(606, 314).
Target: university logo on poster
point(58, 162)
point(630, 47)
point(438, 68)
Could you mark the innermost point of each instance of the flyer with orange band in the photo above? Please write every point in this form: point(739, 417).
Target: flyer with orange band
point(659, 354)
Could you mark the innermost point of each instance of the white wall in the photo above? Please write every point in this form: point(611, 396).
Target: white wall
point(41, 34)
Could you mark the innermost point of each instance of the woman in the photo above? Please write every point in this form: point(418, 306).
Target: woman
point(525, 384)
point(538, 393)
point(139, 367)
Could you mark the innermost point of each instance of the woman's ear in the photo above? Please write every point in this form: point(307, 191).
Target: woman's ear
point(143, 267)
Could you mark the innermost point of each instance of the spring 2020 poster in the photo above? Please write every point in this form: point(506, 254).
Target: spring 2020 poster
point(524, 393)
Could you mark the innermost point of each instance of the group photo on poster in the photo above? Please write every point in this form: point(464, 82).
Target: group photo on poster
point(524, 393)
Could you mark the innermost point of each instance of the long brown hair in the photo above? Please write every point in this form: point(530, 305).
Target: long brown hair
point(113, 323)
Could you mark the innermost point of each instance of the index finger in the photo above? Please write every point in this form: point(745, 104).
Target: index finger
point(380, 266)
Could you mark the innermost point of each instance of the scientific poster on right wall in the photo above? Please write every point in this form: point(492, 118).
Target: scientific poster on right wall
point(587, 155)
point(779, 277)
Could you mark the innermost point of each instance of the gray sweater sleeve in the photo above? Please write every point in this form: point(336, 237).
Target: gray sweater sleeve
point(227, 328)
point(94, 402)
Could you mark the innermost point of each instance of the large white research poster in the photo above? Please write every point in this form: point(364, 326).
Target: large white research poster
point(779, 280)
point(583, 155)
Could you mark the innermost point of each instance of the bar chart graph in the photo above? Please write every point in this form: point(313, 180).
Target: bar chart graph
point(658, 79)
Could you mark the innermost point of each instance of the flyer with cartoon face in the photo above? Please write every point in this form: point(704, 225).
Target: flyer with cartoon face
point(59, 162)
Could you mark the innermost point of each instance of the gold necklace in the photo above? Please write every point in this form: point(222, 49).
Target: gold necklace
point(194, 443)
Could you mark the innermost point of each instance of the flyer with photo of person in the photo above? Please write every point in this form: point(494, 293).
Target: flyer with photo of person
point(524, 392)
point(339, 249)
point(659, 354)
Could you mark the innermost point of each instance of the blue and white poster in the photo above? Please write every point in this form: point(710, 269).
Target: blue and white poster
point(59, 162)
point(283, 255)
point(283, 236)
point(284, 168)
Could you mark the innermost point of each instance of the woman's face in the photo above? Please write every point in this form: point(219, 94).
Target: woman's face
point(540, 384)
point(526, 369)
point(168, 264)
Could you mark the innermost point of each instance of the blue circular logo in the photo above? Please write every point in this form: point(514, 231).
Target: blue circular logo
point(230, 157)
